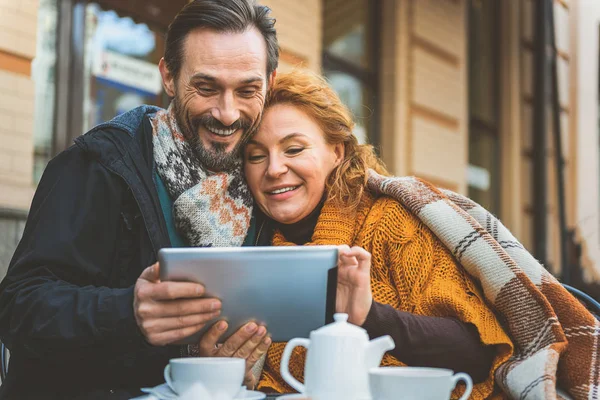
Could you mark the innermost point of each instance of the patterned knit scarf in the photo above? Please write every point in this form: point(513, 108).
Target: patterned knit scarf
point(210, 208)
point(556, 339)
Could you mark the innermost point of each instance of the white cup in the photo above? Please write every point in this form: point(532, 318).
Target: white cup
point(415, 383)
point(221, 377)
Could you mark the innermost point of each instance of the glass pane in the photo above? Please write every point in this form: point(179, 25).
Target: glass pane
point(356, 97)
point(483, 52)
point(483, 172)
point(43, 75)
point(346, 30)
point(120, 65)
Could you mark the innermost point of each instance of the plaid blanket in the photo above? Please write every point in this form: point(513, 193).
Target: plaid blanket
point(555, 337)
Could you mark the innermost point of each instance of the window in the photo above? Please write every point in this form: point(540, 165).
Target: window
point(44, 76)
point(484, 104)
point(109, 51)
point(350, 43)
point(120, 65)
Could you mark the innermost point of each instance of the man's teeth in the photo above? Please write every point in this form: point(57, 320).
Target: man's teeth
point(222, 132)
point(283, 190)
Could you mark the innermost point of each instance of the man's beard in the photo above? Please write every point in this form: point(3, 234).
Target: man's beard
point(216, 157)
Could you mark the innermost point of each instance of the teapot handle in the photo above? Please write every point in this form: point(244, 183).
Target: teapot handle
point(285, 359)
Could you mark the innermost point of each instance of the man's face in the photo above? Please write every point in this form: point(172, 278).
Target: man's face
point(220, 92)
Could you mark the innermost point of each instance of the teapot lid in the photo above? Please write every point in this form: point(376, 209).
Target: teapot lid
point(341, 327)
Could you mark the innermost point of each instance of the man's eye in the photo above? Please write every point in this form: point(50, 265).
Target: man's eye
point(247, 92)
point(206, 90)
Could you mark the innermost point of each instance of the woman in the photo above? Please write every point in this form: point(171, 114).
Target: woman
point(308, 175)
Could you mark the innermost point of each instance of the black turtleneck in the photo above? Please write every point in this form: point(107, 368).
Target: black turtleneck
point(301, 232)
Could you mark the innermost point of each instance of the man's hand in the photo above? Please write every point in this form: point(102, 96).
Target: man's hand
point(167, 312)
point(250, 342)
point(354, 295)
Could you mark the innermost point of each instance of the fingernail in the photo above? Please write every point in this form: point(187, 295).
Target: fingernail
point(267, 341)
point(251, 327)
point(221, 326)
point(199, 289)
point(215, 305)
point(261, 331)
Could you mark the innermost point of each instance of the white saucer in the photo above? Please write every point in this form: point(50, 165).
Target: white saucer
point(164, 392)
point(298, 396)
point(252, 395)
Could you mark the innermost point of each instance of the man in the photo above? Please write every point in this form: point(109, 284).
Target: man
point(80, 310)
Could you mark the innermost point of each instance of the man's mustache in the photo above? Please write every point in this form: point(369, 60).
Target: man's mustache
point(214, 124)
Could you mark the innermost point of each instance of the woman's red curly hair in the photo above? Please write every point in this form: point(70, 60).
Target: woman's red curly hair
point(315, 97)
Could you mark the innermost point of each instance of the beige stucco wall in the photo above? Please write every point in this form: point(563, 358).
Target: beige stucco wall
point(424, 90)
point(587, 137)
point(18, 20)
point(299, 32)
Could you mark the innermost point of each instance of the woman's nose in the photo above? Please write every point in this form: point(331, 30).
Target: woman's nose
point(276, 167)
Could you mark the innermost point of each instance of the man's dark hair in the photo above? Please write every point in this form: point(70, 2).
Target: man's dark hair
point(231, 16)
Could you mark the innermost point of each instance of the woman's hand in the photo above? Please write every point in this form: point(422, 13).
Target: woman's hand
point(250, 342)
point(354, 295)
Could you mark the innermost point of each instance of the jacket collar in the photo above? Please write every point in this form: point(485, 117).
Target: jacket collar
point(123, 147)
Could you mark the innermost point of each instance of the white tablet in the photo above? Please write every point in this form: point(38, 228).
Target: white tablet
point(290, 289)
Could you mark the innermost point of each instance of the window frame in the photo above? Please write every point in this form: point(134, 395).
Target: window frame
point(476, 124)
point(367, 77)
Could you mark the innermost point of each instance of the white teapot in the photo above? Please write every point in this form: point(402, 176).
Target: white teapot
point(337, 362)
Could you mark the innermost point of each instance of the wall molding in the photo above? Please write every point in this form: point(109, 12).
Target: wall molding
point(15, 63)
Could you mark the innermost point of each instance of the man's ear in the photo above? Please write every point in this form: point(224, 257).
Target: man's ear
point(167, 78)
point(272, 78)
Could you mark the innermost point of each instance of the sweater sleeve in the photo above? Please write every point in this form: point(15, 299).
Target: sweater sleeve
point(413, 272)
point(425, 341)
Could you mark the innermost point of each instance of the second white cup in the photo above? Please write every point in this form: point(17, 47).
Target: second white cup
point(222, 377)
point(416, 383)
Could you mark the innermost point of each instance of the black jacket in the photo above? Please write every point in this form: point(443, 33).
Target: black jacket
point(66, 304)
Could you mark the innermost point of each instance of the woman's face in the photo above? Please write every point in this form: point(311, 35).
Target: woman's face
point(287, 163)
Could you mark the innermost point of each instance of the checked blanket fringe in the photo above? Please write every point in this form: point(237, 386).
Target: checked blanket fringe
point(555, 337)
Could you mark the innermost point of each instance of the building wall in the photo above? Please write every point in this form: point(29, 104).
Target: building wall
point(424, 90)
point(299, 31)
point(18, 22)
point(18, 27)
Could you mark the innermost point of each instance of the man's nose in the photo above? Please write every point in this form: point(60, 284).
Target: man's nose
point(226, 111)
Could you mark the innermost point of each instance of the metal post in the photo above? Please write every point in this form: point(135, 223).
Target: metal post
point(540, 131)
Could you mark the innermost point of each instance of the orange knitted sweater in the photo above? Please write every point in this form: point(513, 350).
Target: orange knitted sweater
point(411, 270)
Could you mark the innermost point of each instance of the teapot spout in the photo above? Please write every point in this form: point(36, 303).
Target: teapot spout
point(376, 348)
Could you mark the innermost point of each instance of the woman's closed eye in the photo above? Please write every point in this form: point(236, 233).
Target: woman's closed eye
point(294, 150)
point(254, 158)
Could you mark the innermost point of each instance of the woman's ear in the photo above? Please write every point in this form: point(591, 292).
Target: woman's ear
point(338, 150)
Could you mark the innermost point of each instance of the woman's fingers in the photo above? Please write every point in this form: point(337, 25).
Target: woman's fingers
point(363, 257)
point(354, 257)
point(247, 349)
point(258, 352)
point(237, 340)
point(209, 340)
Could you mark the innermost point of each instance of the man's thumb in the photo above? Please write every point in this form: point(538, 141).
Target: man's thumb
point(151, 273)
